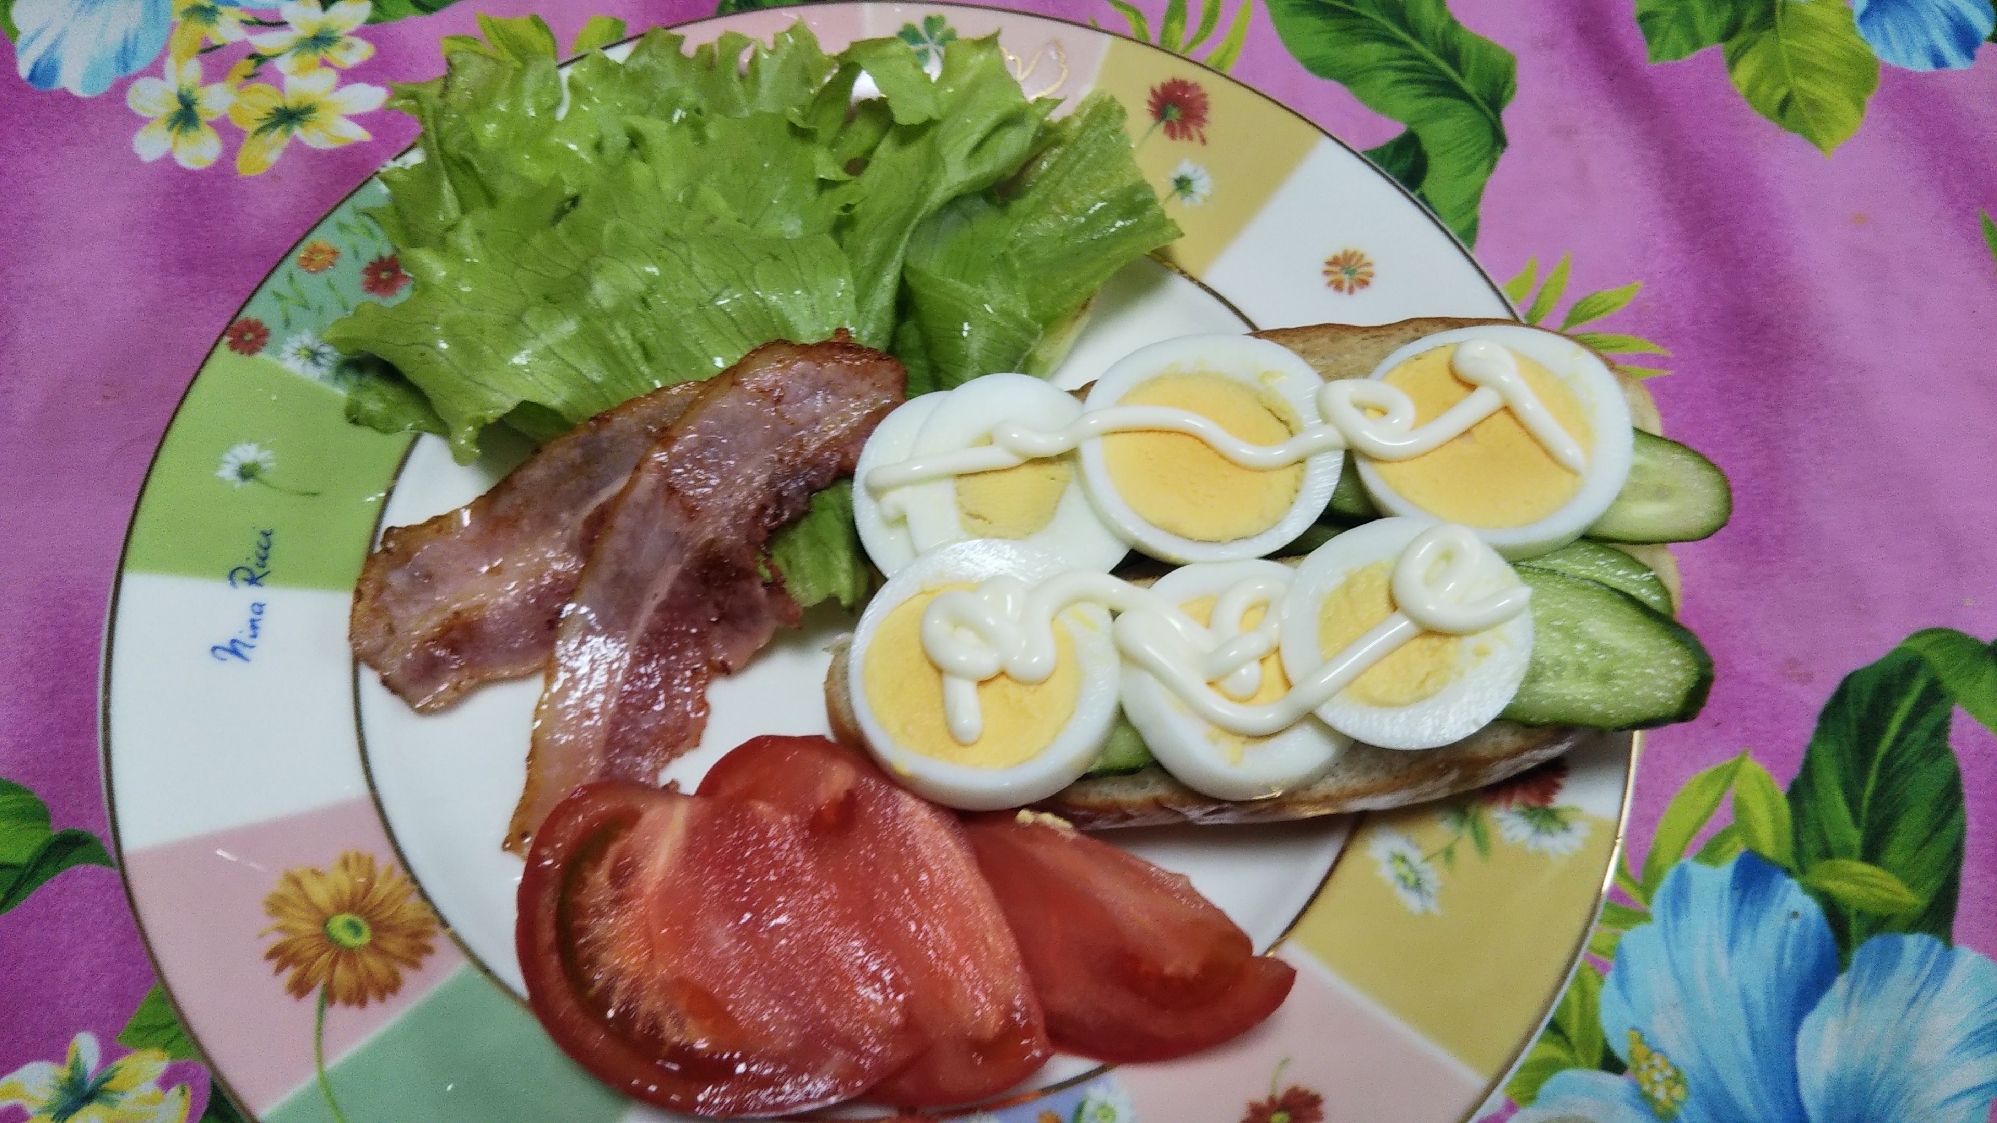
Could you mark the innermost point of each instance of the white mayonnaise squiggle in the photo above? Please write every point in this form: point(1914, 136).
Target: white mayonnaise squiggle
point(1392, 435)
point(1005, 626)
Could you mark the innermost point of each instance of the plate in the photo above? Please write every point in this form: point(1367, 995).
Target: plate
point(258, 777)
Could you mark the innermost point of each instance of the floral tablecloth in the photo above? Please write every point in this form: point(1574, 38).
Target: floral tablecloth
point(1775, 209)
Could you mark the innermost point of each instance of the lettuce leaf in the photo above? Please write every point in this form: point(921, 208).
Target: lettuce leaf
point(671, 213)
point(640, 284)
point(819, 555)
point(982, 131)
point(994, 273)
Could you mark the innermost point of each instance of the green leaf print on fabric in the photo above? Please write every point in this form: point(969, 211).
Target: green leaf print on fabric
point(30, 852)
point(1989, 232)
point(1761, 816)
point(1573, 1037)
point(1861, 887)
point(1802, 65)
point(388, 11)
point(1675, 29)
point(1172, 29)
point(1410, 60)
point(1966, 667)
point(1684, 817)
point(1879, 784)
point(1586, 310)
point(154, 1025)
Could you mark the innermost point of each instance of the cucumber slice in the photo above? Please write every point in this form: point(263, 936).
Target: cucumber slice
point(1608, 566)
point(1673, 494)
point(1349, 500)
point(1124, 752)
point(1602, 658)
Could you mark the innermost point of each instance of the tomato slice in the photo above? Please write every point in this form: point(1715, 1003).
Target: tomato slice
point(693, 953)
point(971, 1004)
point(1130, 963)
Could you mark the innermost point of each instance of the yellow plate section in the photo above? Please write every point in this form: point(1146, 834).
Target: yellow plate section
point(1414, 899)
point(1215, 150)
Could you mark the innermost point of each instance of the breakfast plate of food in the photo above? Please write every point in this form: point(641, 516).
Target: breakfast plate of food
point(884, 560)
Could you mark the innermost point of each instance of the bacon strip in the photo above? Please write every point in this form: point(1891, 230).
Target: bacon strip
point(473, 595)
point(672, 591)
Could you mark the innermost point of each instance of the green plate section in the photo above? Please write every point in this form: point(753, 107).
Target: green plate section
point(260, 480)
point(467, 1053)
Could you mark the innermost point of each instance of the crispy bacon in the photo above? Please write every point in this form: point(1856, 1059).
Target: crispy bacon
point(672, 591)
point(473, 595)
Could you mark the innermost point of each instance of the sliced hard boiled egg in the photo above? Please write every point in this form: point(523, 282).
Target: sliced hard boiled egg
point(1497, 478)
point(883, 529)
point(1434, 690)
point(1040, 502)
point(1203, 756)
point(1034, 738)
point(1170, 493)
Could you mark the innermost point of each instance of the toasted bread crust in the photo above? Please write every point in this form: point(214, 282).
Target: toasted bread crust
point(1364, 777)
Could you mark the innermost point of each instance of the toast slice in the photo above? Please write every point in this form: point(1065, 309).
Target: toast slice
point(1364, 777)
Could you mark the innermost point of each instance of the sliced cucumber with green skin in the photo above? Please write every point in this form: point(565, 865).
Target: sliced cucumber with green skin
point(1673, 494)
point(1604, 659)
point(1124, 752)
point(1608, 566)
point(1349, 500)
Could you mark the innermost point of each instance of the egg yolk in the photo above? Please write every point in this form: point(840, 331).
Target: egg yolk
point(1015, 502)
point(1275, 683)
point(1497, 474)
point(1178, 484)
point(1417, 670)
point(906, 692)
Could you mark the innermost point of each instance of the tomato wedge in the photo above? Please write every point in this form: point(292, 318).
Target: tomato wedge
point(693, 953)
point(1130, 963)
point(971, 1004)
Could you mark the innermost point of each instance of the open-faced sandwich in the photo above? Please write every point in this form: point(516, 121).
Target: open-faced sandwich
point(1602, 652)
point(1240, 578)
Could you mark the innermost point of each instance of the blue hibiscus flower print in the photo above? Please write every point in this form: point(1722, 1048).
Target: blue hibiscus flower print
point(1925, 34)
point(1729, 1008)
point(85, 45)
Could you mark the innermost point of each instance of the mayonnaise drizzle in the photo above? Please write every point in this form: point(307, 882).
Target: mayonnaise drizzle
point(1006, 626)
point(1344, 403)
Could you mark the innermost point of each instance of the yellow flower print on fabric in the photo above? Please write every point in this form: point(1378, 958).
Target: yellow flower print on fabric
point(198, 23)
point(180, 108)
point(1659, 1081)
point(77, 1091)
point(317, 35)
point(309, 108)
point(351, 931)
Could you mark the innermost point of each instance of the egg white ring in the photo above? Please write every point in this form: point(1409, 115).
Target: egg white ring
point(1483, 686)
point(1257, 363)
point(1073, 749)
point(1076, 535)
point(1178, 737)
point(887, 541)
point(1601, 397)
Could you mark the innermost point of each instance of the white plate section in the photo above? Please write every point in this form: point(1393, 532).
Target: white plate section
point(1143, 303)
point(448, 781)
point(1335, 201)
point(228, 706)
point(1598, 776)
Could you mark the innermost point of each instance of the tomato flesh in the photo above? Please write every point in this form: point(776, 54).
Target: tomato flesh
point(1130, 963)
point(971, 1007)
point(695, 954)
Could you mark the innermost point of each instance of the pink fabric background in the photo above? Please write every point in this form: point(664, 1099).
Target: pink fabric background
point(1833, 323)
